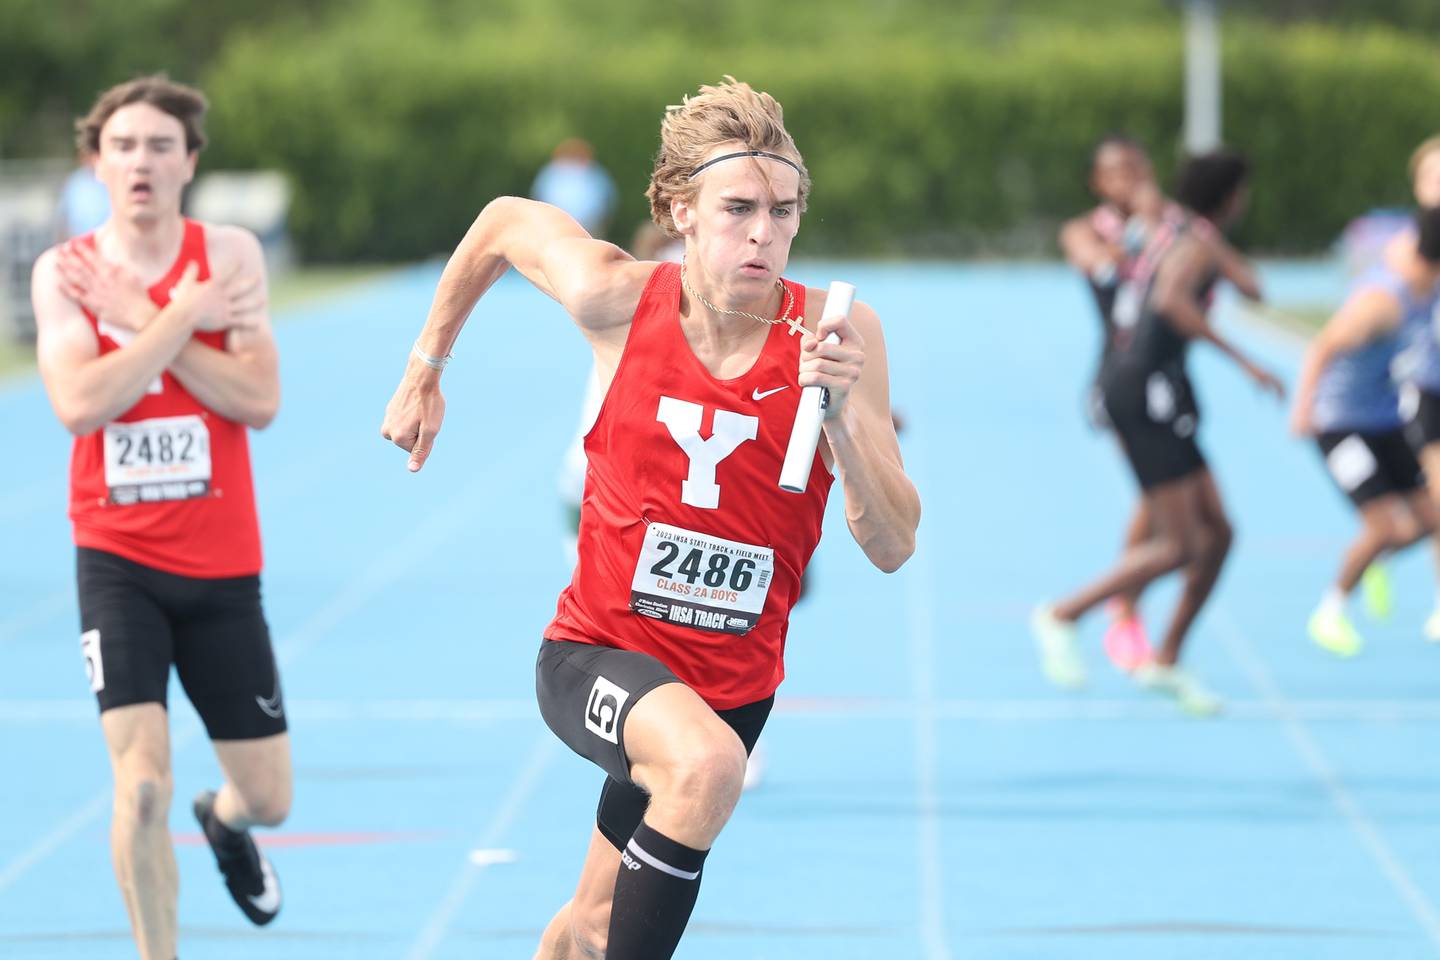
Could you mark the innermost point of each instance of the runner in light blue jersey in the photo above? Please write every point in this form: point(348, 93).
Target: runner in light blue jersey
point(1347, 399)
point(1420, 400)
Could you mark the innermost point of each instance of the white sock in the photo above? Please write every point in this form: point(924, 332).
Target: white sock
point(1333, 601)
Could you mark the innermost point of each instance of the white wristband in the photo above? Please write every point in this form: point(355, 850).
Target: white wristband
point(434, 363)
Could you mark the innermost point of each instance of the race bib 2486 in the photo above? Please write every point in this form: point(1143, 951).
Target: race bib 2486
point(698, 580)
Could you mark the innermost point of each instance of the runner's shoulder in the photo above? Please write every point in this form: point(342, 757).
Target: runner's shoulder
point(45, 263)
point(46, 295)
point(609, 296)
point(227, 245)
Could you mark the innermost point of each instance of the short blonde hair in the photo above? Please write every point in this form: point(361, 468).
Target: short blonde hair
point(1427, 147)
point(731, 111)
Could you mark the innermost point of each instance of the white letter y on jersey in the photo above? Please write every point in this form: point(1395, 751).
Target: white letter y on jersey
point(730, 430)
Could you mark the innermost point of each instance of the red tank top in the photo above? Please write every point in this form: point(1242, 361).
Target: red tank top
point(167, 483)
point(689, 549)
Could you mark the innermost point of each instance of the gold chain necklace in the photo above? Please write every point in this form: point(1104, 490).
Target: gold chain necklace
point(784, 314)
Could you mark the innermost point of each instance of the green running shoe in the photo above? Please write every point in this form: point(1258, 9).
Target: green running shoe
point(1190, 695)
point(1055, 642)
point(1333, 631)
point(1375, 588)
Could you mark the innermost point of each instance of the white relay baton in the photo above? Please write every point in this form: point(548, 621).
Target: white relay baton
point(805, 435)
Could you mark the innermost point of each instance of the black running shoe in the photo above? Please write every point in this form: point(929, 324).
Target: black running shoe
point(248, 875)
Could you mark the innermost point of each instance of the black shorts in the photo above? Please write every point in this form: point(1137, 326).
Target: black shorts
point(1369, 465)
point(136, 621)
point(1156, 418)
point(1423, 428)
point(586, 692)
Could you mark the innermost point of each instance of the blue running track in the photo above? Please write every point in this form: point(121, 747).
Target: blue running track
point(926, 795)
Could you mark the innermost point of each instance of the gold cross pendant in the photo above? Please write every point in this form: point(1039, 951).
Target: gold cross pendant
point(796, 325)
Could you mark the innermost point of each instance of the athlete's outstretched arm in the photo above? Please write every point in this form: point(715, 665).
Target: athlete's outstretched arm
point(1174, 295)
point(541, 241)
point(241, 382)
point(1087, 251)
point(86, 389)
point(1237, 268)
point(587, 276)
point(882, 507)
point(1367, 315)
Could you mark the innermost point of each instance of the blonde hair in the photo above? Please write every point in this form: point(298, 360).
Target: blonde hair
point(1427, 147)
point(732, 111)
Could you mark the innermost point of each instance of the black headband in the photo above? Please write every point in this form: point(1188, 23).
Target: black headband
point(745, 153)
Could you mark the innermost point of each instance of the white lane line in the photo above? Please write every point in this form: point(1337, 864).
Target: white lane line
point(78, 820)
point(492, 856)
point(445, 522)
point(479, 710)
point(187, 729)
point(920, 606)
point(437, 926)
point(1258, 674)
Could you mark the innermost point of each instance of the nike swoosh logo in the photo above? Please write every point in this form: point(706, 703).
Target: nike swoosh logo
point(271, 706)
point(269, 899)
point(757, 395)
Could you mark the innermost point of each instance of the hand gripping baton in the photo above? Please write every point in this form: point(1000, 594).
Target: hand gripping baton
point(805, 435)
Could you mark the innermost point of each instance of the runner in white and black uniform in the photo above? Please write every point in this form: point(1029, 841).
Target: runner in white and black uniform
point(1116, 247)
point(1105, 244)
point(1151, 404)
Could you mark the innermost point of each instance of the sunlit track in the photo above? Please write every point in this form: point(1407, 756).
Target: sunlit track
point(926, 793)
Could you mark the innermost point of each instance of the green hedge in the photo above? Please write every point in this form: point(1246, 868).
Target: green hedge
point(55, 55)
point(397, 130)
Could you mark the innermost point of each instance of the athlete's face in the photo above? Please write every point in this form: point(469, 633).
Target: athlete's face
point(739, 227)
point(1121, 172)
point(143, 162)
point(1235, 207)
point(1427, 180)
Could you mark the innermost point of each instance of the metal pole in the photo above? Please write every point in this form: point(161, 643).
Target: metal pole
point(1202, 76)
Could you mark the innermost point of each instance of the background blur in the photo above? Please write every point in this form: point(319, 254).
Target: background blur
point(932, 127)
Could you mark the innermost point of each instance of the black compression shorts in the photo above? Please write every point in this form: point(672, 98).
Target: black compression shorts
point(136, 621)
point(586, 692)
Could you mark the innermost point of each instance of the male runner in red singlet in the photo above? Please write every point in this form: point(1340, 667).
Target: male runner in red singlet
point(662, 661)
point(157, 354)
